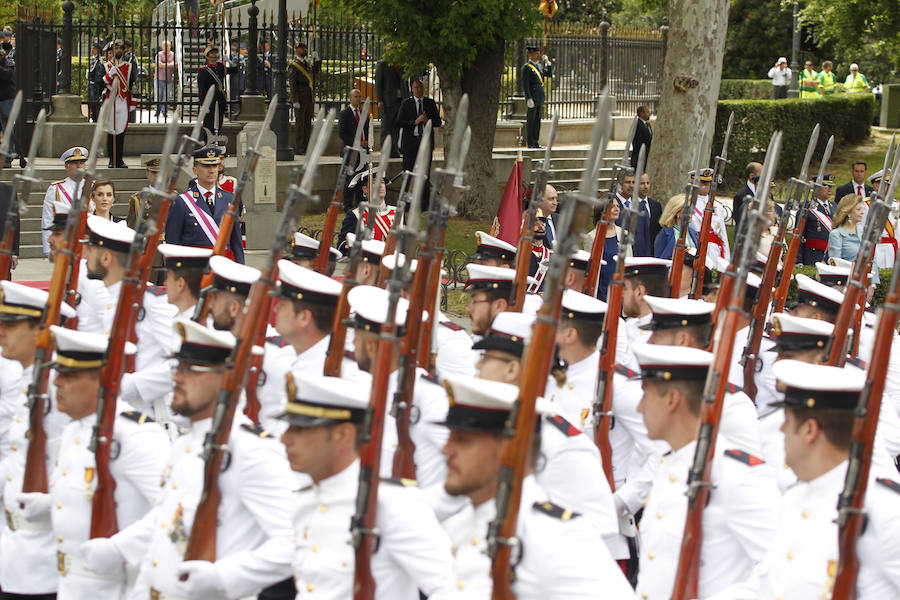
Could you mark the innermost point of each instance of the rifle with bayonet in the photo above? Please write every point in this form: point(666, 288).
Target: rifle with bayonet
point(537, 358)
point(390, 239)
point(11, 120)
point(690, 199)
point(202, 542)
point(855, 292)
point(687, 576)
point(803, 207)
point(401, 406)
point(603, 392)
point(851, 502)
point(337, 198)
point(526, 236)
point(103, 503)
point(796, 189)
point(335, 356)
point(35, 479)
point(362, 525)
point(706, 224)
point(20, 187)
point(251, 386)
point(448, 191)
point(251, 159)
point(603, 223)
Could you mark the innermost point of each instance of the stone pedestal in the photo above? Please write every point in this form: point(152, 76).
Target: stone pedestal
point(253, 108)
point(519, 109)
point(66, 109)
point(260, 195)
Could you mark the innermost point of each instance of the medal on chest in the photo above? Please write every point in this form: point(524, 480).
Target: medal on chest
point(177, 533)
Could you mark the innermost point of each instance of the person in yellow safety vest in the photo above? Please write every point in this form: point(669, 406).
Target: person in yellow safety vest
point(827, 80)
point(856, 82)
point(809, 81)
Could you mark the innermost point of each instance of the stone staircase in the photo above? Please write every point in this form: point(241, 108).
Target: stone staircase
point(567, 165)
point(126, 181)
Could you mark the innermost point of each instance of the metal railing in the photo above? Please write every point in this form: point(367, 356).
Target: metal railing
point(585, 59)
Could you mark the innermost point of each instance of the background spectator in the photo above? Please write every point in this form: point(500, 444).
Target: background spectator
point(844, 239)
point(780, 75)
point(165, 82)
point(670, 222)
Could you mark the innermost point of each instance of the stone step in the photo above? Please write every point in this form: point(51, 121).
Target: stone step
point(30, 251)
point(36, 199)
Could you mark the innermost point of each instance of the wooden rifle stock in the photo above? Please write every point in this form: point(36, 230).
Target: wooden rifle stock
point(437, 228)
point(675, 271)
point(851, 502)
point(790, 259)
point(523, 259)
point(536, 363)
point(687, 576)
point(202, 542)
point(603, 410)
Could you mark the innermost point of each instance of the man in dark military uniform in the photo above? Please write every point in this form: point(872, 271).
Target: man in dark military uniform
point(195, 215)
point(300, 75)
point(533, 85)
point(818, 225)
point(209, 75)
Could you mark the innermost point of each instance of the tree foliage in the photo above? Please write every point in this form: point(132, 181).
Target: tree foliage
point(759, 31)
point(861, 31)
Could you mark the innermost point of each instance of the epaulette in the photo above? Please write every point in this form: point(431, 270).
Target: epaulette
point(560, 423)
point(451, 326)
point(857, 362)
point(557, 512)
point(155, 290)
point(733, 389)
point(623, 370)
point(430, 378)
point(401, 481)
point(57, 182)
point(256, 430)
point(889, 484)
point(138, 417)
point(350, 354)
point(744, 457)
point(277, 340)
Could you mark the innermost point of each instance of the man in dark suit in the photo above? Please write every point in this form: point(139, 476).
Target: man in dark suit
point(348, 119)
point(548, 208)
point(413, 114)
point(653, 207)
point(390, 91)
point(533, 86)
point(643, 135)
point(195, 215)
point(751, 174)
point(857, 185)
point(643, 243)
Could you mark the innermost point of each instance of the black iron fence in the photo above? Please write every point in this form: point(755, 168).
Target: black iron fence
point(585, 59)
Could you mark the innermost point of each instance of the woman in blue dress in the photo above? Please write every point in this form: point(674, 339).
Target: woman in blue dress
point(610, 250)
point(670, 220)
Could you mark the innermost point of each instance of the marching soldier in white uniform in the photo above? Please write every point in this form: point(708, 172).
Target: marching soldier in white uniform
point(324, 416)
point(62, 191)
point(106, 255)
point(254, 538)
point(494, 252)
point(368, 304)
point(739, 520)
point(369, 260)
point(304, 251)
point(644, 276)
point(304, 313)
point(140, 452)
point(27, 547)
point(569, 467)
point(560, 553)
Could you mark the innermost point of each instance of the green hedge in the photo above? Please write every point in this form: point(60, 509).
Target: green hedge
point(847, 117)
point(751, 89)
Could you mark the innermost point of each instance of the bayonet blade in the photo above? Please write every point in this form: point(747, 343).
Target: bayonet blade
point(11, 125)
point(727, 139)
point(588, 186)
point(632, 129)
point(360, 127)
point(810, 149)
point(454, 158)
point(99, 131)
point(554, 123)
point(826, 156)
point(316, 151)
point(204, 108)
point(267, 122)
point(415, 203)
point(168, 146)
point(35, 141)
point(382, 166)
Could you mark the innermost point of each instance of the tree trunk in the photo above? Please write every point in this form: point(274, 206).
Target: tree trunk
point(481, 81)
point(690, 90)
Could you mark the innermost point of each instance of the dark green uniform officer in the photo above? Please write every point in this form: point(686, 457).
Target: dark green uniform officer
point(533, 85)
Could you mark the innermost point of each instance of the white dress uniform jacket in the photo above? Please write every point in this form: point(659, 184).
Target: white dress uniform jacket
point(413, 551)
point(562, 555)
point(879, 545)
point(27, 548)
point(738, 523)
point(454, 349)
point(59, 191)
point(718, 226)
point(138, 457)
point(254, 539)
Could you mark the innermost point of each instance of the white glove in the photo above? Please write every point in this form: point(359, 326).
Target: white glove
point(315, 55)
point(626, 519)
point(102, 556)
point(545, 61)
point(35, 505)
point(296, 105)
point(529, 103)
point(200, 581)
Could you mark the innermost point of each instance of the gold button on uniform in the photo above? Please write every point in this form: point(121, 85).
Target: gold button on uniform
point(790, 556)
point(651, 556)
point(315, 548)
point(460, 584)
point(659, 515)
point(474, 541)
point(58, 505)
point(805, 514)
point(322, 508)
point(187, 450)
point(59, 538)
point(65, 472)
point(77, 441)
point(14, 447)
point(155, 562)
point(310, 587)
